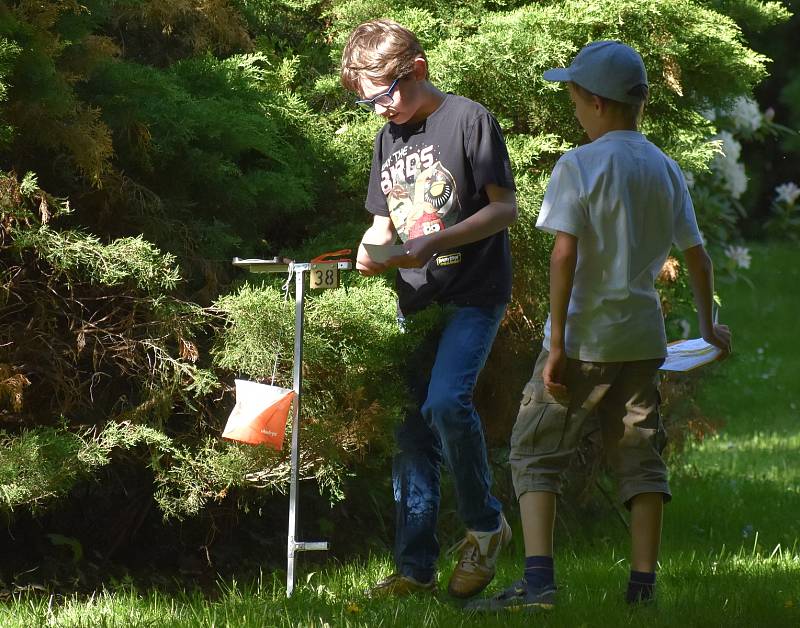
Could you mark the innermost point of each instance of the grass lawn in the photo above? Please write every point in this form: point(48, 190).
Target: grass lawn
point(731, 551)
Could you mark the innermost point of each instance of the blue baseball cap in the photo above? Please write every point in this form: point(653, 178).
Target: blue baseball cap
point(607, 68)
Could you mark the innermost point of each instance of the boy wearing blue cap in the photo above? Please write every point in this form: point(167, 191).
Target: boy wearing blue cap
point(616, 206)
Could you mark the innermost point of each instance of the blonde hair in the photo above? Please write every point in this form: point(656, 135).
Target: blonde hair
point(382, 50)
point(632, 112)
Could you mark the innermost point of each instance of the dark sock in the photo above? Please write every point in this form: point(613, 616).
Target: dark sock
point(641, 587)
point(539, 572)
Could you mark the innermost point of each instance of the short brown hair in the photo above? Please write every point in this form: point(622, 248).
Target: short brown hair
point(382, 50)
point(631, 111)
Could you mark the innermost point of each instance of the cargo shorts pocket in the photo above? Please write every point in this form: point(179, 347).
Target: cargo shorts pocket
point(660, 439)
point(647, 437)
point(540, 425)
point(647, 431)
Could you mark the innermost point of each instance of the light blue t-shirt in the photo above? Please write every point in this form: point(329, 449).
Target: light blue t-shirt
point(627, 203)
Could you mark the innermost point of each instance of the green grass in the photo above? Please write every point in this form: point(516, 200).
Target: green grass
point(731, 551)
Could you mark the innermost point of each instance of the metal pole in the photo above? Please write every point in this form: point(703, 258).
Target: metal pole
point(274, 266)
point(294, 506)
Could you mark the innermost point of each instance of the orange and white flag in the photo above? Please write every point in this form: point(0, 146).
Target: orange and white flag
point(260, 414)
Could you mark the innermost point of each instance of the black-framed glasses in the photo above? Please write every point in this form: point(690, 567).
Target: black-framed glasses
point(384, 100)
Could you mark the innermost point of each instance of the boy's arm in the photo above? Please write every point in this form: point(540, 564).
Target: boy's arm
point(563, 260)
point(381, 232)
point(496, 216)
point(701, 278)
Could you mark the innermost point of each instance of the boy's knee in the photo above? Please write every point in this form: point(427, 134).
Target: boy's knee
point(647, 476)
point(528, 480)
point(629, 494)
point(449, 409)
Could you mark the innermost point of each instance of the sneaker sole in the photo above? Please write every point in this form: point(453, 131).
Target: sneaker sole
point(515, 608)
point(548, 606)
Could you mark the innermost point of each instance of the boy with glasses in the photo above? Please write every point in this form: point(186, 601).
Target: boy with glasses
point(440, 180)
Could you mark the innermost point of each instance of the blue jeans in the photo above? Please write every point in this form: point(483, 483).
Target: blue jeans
point(444, 426)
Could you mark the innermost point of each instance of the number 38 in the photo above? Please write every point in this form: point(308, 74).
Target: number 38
point(325, 277)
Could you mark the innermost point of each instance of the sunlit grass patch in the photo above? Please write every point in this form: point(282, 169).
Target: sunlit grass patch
point(731, 548)
point(773, 456)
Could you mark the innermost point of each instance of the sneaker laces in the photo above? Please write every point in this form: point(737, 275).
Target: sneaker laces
point(476, 544)
point(470, 553)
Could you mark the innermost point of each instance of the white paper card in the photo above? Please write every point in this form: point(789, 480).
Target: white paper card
point(686, 355)
point(381, 252)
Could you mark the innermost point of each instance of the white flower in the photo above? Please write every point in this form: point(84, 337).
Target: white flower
point(709, 114)
point(787, 193)
point(728, 167)
point(731, 149)
point(745, 114)
point(739, 254)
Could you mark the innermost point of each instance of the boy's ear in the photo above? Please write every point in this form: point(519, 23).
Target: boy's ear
point(420, 71)
point(599, 104)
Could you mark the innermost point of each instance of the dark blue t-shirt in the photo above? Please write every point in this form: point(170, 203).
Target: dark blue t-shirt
point(430, 175)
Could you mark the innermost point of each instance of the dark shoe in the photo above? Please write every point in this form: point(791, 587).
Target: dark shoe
point(478, 559)
point(641, 601)
point(517, 597)
point(398, 585)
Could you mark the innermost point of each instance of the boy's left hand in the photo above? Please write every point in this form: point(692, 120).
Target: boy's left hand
point(719, 336)
point(418, 251)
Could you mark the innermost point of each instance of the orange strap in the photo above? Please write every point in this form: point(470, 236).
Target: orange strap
point(342, 255)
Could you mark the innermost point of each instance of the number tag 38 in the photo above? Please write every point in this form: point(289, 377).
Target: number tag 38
point(324, 276)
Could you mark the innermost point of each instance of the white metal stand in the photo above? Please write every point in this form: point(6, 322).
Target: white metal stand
point(300, 269)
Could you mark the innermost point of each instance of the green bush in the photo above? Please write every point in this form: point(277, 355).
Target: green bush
point(186, 132)
point(696, 60)
point(353, 378)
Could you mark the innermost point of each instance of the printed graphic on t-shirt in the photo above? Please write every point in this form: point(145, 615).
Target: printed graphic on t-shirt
point(420, 192)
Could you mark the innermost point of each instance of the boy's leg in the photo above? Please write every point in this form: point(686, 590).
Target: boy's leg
point(538, 512)
point(634, 437)
point(646, 515)
point(415, 482)
point(463, 348)
point(544, 438)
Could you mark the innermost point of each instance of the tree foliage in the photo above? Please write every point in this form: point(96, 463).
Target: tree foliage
point(184, 132)
point(98, 359)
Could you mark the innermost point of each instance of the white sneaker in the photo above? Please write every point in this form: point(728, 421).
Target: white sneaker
point(478, 560)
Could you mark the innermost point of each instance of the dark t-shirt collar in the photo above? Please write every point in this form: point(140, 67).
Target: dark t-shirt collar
point(409, 129)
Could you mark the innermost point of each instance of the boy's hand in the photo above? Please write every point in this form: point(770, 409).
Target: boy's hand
point(366, 265)
point(418, 251)
point(719, 336)
point(553, 375)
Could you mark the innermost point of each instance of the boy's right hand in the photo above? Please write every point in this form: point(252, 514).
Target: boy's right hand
point(553, 375)
point(720, 337)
